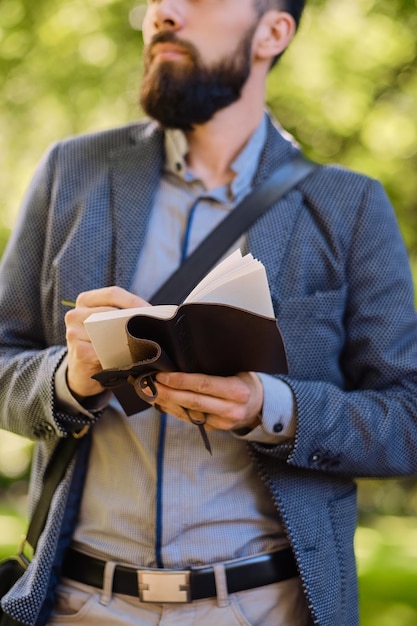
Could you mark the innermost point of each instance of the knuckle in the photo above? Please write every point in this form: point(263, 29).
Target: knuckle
point(176, 379)
point(234, 414)
point(204, 385)
point(70, 333)
point(113, 292)
point(241, 391)
point(198, 404)
point(69, 317)
point(81, 298)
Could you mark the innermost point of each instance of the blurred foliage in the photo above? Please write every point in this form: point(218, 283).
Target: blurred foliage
point(66, 67)
point(386, 550)
point(346, 89)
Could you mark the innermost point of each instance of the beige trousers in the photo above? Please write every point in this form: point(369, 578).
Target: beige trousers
point(279, 604)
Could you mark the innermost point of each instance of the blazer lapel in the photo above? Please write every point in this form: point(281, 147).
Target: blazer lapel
point(269, 237)
point(134, 176)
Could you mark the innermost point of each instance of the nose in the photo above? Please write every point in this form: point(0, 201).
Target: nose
point(166, 15)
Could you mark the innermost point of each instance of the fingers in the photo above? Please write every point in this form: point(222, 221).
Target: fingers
point(82, 359)
point(95, 301)
point(109, 297)
point(220, 387)
point(227, 402)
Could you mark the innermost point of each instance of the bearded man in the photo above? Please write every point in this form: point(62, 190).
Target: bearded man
point(146, 527)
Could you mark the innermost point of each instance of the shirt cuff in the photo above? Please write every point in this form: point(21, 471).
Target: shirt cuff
point(278, 420)
point(66, 402)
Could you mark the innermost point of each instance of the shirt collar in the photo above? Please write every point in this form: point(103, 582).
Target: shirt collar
point(244, 165)
point(176, 148)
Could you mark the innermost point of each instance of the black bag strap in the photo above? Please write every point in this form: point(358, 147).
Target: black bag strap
point(54, 473)
point(263, 196)
point(56, 468)
point(174, 290)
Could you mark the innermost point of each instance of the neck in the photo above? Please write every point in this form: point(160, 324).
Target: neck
point(214, 146)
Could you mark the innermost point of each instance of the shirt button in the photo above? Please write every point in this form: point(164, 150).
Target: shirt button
point(278, 428)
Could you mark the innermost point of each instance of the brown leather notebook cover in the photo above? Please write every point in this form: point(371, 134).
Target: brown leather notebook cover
point(215, 339)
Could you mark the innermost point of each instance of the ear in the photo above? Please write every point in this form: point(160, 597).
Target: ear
point(273, 35)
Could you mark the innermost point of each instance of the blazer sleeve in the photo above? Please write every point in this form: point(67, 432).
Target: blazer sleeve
point(27, 360)
point(366, 425)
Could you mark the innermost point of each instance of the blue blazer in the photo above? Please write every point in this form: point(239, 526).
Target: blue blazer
point(343, 295)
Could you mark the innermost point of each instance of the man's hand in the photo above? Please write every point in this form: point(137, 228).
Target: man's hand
point(82, 359)
point(229, 403)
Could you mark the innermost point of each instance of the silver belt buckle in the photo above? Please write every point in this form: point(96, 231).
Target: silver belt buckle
point(163, 587)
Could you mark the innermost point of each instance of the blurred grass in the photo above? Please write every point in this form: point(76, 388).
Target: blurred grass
point(386, 549)
point(12, 527)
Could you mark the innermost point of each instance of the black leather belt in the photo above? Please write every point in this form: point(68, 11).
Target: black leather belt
point(164, 585)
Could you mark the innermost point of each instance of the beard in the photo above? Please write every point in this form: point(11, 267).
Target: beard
point(189, 93)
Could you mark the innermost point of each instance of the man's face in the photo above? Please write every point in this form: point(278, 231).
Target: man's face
point(191, 70)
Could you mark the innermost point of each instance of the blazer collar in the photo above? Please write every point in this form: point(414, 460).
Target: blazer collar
point(279, 148)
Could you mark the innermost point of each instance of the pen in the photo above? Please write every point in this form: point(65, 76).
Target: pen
point(69, 303)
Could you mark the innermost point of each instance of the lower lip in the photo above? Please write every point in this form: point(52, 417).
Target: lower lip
point(169, 56)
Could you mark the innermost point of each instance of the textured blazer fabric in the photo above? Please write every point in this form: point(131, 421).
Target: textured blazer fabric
point(343, 295)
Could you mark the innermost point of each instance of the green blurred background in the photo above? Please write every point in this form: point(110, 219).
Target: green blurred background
point(346, 89)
